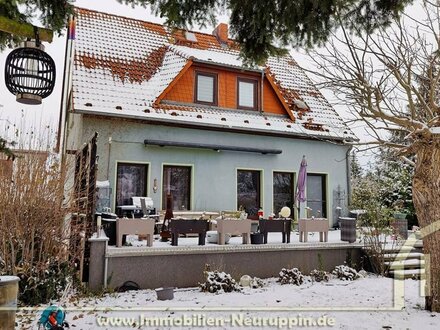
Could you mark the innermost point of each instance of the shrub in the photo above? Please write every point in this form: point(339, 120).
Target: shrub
point(256, 283)
point(34, 236)
point(37, 287)
point(345, 273)
point(217, 281)
point(291, 276)
point(319, 275)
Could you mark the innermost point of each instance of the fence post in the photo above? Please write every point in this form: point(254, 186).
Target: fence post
point(97, 270)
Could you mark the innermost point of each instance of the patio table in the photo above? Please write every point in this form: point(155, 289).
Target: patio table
point(180, 226)
point(275, 225)
point(313, 225)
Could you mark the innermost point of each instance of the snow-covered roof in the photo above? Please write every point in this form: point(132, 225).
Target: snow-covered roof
point(122, 65)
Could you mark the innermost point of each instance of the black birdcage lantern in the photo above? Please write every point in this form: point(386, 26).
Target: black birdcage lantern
point(30, 73)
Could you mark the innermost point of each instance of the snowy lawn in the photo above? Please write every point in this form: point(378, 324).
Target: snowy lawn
point(276, 302)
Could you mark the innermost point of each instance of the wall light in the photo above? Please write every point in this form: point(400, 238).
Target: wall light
point(155, 186)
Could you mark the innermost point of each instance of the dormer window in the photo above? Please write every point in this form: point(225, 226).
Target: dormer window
point(247, 94)
point(206, 88)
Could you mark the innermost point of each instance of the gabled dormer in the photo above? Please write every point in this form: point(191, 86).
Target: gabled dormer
point(205, 84)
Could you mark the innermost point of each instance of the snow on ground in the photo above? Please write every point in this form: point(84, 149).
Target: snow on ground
point(371, 297)
point(334, 236)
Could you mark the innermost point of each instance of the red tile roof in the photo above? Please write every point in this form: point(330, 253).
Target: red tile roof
point(122, 65)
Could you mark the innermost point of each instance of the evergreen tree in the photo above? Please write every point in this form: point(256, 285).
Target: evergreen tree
point(262, 28)
point(355, 167)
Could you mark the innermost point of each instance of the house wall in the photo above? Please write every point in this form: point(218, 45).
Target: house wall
point(183, 90)
point(214, 173)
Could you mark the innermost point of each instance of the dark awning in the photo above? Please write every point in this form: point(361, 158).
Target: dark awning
point(215, 147)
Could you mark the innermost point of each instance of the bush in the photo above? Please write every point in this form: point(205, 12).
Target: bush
point(291, 276)
point(319, 275)
point(256, 283)
point(34, 236)
point(345, 273)
point(217, 281)
point(37, 288)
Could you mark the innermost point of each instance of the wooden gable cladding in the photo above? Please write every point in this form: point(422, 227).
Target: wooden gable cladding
point(182, 90)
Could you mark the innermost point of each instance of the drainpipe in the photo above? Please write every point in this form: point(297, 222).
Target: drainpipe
point(105, 269)
point(347, 160)
point(262, 83)
point(108, 158)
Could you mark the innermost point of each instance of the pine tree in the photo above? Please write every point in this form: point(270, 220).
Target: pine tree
point(261, 27)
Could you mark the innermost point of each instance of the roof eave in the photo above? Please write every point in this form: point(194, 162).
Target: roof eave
point(204, 125)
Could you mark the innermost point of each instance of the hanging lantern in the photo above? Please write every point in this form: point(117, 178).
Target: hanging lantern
point(30, 73)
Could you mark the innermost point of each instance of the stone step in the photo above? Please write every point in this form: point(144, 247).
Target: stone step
point(408, 273)
point(418, 245)
point(403, 256)
point(406, 264)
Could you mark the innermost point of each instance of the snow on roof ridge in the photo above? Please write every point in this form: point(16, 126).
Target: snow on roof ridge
point(145, 21)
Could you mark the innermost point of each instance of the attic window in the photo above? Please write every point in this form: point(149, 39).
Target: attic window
point(190, 36)
point(247, 94)
point(206, 88)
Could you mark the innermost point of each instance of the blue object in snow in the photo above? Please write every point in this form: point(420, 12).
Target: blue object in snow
point(43, 322)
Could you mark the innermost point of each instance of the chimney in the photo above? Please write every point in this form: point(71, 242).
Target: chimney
point(221, 32)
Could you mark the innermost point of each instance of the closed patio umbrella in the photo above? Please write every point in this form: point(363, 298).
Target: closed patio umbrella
point(301, 184)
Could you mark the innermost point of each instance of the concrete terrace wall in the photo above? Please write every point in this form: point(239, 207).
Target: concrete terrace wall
point(214, 173)
point(184, 267)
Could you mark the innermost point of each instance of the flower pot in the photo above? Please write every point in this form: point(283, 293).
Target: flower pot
point(257, 238)
point(165, 293)
point(399, 215)
point(8, 301)
point(400, 227)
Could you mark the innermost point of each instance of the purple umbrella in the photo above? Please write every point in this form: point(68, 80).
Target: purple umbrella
point(301, 184)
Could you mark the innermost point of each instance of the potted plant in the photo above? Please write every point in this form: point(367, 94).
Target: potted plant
point(400, 223)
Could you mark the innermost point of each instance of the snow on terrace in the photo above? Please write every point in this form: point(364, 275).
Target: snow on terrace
point(124, 64)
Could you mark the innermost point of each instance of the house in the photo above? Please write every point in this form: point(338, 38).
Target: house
point(178, 112)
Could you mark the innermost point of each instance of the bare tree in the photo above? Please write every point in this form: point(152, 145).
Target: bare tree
point(390, 82)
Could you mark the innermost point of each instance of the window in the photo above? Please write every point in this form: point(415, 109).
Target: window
point(247, 93)
point(206, 88)
point(316, 194)
point(131, 181)
point(177, 182)
point(248, 192)
point(282, 191)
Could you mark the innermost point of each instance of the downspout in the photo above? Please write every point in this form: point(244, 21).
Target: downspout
point(262, 84)
point(347, 160)
point(108, 158)
point(105, 268)
point(66, 93)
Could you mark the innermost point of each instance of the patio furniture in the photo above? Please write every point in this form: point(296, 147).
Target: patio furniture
point(181, 226)
point(275, 225)
point(134, 227)
point(195, 214)
point(305, 226)
point(348, 229)
point(141, 206)
point(234, 227)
